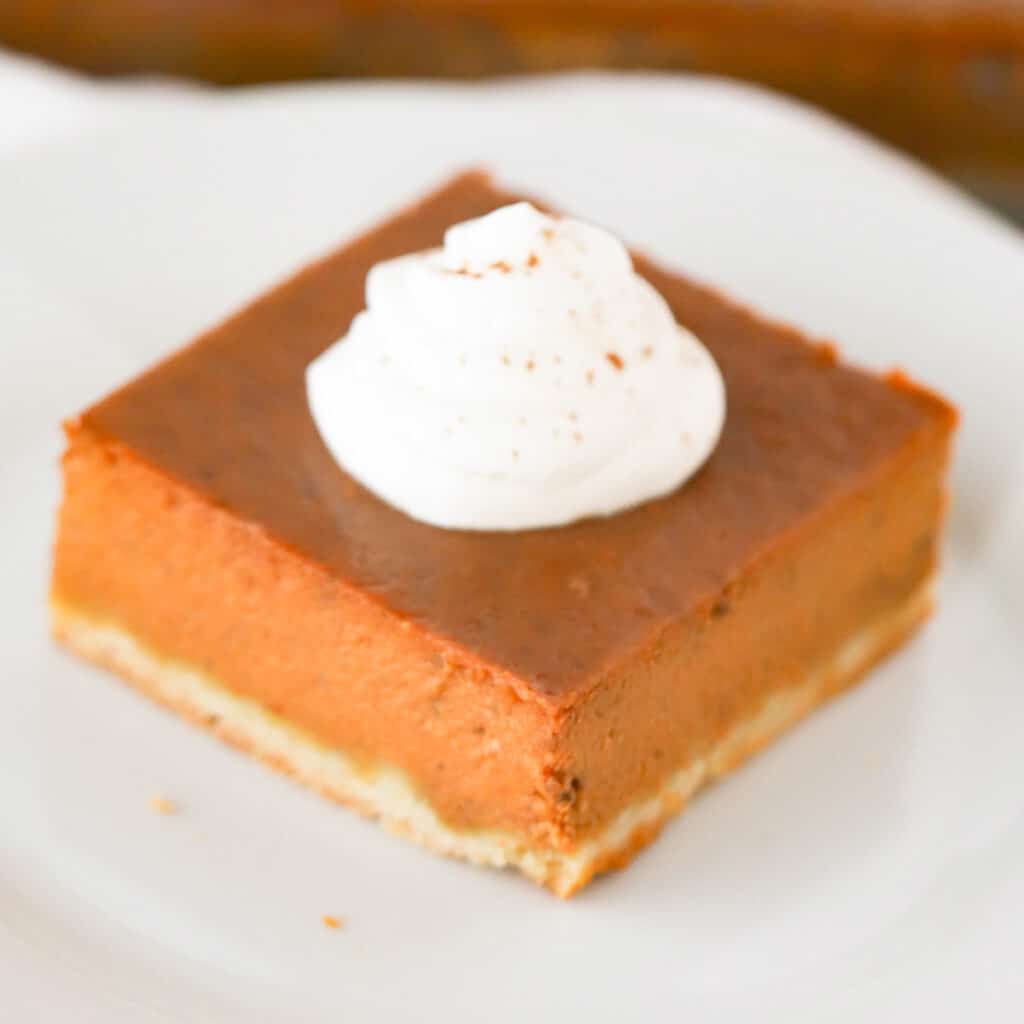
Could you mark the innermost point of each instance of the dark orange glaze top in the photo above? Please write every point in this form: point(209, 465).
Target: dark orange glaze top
point(228, 417)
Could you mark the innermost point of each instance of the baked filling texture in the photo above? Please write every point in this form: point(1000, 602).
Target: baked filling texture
point(544, 700)
point(383, 792)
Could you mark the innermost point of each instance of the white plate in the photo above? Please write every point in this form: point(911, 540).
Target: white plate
point(869, 866)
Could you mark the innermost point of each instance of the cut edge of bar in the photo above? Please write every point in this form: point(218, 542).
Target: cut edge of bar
point(388, 795)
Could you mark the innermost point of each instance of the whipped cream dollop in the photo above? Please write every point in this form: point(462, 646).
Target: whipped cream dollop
point(523, 375)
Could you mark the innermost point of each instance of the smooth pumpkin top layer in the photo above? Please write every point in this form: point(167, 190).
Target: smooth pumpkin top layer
point(227, 416)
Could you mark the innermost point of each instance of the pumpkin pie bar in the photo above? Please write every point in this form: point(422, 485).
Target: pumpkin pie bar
point(544, 699)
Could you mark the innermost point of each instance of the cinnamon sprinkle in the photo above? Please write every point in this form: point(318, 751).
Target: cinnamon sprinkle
point(615, 359)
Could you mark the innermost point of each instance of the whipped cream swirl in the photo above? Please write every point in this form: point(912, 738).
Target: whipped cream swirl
point(521, 376)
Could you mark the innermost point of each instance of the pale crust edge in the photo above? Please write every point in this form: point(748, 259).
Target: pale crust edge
point(388, 795)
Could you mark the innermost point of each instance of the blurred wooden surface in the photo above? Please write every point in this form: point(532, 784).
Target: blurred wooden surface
point(943, 79)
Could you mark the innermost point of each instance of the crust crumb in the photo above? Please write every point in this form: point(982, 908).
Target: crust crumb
point(332, 922)
point(162, 805)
